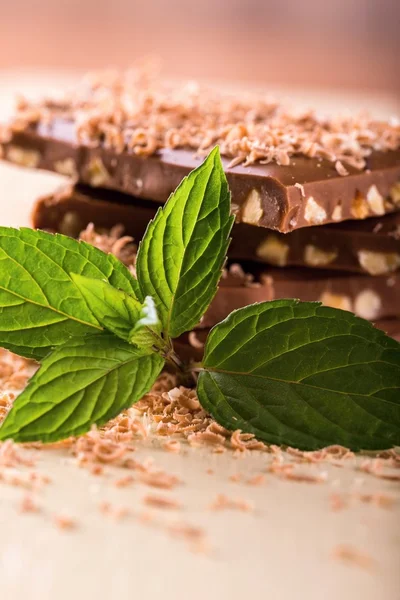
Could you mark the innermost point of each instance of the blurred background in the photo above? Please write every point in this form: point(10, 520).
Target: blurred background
point(337, 55)
point(346, 44)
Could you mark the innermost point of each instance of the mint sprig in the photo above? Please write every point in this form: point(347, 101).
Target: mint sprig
point(290, 372)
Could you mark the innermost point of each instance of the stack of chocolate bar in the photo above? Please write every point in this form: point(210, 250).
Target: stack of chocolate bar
point(316, 198)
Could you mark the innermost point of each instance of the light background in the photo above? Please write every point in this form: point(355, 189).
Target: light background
point(348, 44)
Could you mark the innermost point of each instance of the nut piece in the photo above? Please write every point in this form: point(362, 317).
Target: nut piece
point(395, 193)
point(378, 263)
point(336, 301)
point(315, 257)
point(314, 213)
point(66, 167)
point(138, 183)
point(96, 173)
point(194, 340)
point(235, 208)
point(23, 157)
point(71, 224)
point(375, 201)
point(337, 213)
point(367, 305)
point(273, 251)
point(359, 207)
point(252, 211)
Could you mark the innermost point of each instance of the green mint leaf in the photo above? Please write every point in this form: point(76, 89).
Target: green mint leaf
point(181, 256)
point(119, 312)
point(148, 328)
point(114, 309)
point(40, 306)
point(85, 381)
point(304, 375)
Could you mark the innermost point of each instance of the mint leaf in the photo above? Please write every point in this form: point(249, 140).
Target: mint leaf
point(40, 306)
point(119, 312)
point(303, 375)
point(85, 381)
point(114, 309)
point(181, 256)
point(31, 330)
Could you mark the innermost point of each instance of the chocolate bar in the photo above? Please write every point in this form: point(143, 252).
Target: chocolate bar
point(371, 246)
point(371, 298)
point(286, 170)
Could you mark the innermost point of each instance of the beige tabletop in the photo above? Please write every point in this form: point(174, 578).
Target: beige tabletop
point(338, 539)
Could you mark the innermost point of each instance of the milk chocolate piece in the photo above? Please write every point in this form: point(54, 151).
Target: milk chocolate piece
point(190, 346)
point(371, 246)
point(391, 327)
point(308, 191)
point(371, 298)
point(368, 297)
point(71, 208)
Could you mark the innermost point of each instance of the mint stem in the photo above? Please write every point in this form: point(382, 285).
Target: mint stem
point(173, 358)
point(185, 374)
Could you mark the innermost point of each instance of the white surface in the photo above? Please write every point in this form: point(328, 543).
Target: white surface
point(281, 551)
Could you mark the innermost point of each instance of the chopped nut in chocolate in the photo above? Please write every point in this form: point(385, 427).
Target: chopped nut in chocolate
point(337, 246)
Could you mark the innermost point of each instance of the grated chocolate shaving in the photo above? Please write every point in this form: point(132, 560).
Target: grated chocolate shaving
point(112, 241)
point(353, 556)
point(124, 481)
point(159, 479)
point(177, 412)
point(341, 169)
point(136, 111)
point(11, 455)
point(28, 505)
point(65, 522)
point(161, 502)
point(14, 374)
point(114, 512)
point(6, 401)
point(223, 502)
point(256, 479)
point(172, 446)
point(378, 467)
